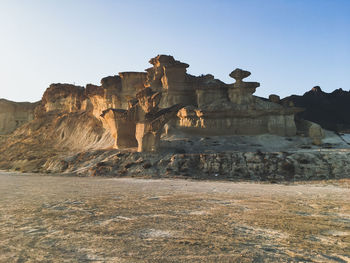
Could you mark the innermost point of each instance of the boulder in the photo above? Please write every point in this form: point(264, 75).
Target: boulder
point(310, 129)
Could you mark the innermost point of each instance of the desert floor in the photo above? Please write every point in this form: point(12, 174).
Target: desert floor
point(72, 219)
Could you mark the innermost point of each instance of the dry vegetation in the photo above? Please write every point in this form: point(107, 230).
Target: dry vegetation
point(70, 219)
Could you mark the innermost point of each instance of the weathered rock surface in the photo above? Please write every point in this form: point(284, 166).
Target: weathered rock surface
point(76, 128)
point(169, 77)
point(15, 114)
point(114, 92)
point(224, 109)
point(132, 82)
point(259, 166)
point(121, 128)
point(143, 121)
point(52, 136)
point(310, 129)
point(98, 98)
point(330, 110)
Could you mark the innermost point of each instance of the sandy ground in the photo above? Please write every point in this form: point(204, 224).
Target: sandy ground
point(70, 219)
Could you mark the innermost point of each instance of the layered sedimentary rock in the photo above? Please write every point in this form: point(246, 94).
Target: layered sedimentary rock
point(15, 114)
point(212, 106)
point(330, 110)
point(68, 98)
point(142, 122)
point(63, 98)
point(224, 109)
point(130, 110)
point(132, 82)
point(114, 92)
point(99, 98)
point(122, 128)
point(169, 76)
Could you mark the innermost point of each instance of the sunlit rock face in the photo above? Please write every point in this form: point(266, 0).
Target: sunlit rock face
point(14, 115)
point(99, 98)
point(63, 98)
point(114, 92)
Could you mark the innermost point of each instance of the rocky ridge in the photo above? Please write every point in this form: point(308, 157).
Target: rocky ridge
point(330, 110)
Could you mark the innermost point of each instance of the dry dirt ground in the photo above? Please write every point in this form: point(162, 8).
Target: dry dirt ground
point(71, 219)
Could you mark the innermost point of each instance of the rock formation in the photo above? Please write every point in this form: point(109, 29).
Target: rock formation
point(63, 98)
point(310, 129)
point(98, 98)
point(15, 114)
point(122, 128)
point(141, 125)
point(169, 76)
point(330, 110)
point(224, 109)
point(114, 92)
point(132, 82)
point(75, 128)
point(212, 107)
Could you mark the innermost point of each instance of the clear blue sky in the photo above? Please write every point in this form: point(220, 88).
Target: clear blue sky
point(288, 45)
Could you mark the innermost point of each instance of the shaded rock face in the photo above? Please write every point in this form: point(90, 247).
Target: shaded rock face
point(132, 82)
point(169, 76)
point(15, 114)
point(310, 129)
point(330, 110)
point(121, 127)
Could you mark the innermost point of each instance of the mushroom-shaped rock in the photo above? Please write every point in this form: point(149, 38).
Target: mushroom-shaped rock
point(241, 92)
point(239, 74)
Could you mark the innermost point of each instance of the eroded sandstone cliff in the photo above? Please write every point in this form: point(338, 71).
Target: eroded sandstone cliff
point(98, 129)
point(15, 114)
